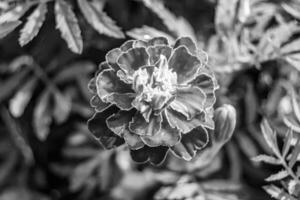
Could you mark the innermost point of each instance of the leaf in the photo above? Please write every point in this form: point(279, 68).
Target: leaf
point(287, 143)
point(7, 27)
point(278, 176)
point(81, 174)
point(14, 14)
point(33, 24)
point(266, 159)
point(291, 7)
point(9, 86)
point(277, 193)
point(225, 17)
point(291, 123)
point(62, 107)
point(67, 23)
point(42, 116)
point(180, 26)
point(269, 136)
point(18, 103)
point(99, 20)
point(295, 154)
point(146, 33)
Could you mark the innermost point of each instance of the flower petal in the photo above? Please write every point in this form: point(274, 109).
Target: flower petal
point(127, 45)
point(158, 41)
point(206, 84)
point(112, 57)
point(118, 122)
point(179, 121)
point(189, 101)
point(102, 133)
point(156, 51)
point(98, 104)
point(108, 82)
point(188, 43)
point(133, 59)
point(167, 136)
point(154, 155)
point(184, 64)
point(191, 142)
point(92, 86)
point(144, 108)
point(123, 101)
point(139, 126)
point(132, 140)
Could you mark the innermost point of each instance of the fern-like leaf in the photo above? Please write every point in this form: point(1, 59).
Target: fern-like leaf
point(278, 176)
point(67, 23)
point(33, 24)
point(99, 20)
point(178, 25)
point(270, 136)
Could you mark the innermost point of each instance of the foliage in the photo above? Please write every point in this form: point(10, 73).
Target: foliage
point(50, 50)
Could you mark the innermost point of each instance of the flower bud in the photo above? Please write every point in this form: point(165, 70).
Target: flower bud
point(225, 121)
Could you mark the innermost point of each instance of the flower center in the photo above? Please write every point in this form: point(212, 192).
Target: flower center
point(155, 84)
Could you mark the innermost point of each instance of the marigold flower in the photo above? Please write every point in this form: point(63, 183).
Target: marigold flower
point(155, 97)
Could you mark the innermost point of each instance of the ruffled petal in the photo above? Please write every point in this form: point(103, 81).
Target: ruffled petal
point(98, 104)
point(139, 126)
point(144, 108)
point(127, 45)
point(188, 43)
point(101, 132)
point(140, 43)
point(156, 51)
point(158, 41)
point(118, 122)
point(92, 86)
point(123, 101)
point(179, 121)
point(112, 57)
point(206, 84)
point(108, 82)
point(189, 101)
point(133, 59)
point(190, 143)
point(184, 64)
point(167, 136)
point(132, 140)
point(154, 155)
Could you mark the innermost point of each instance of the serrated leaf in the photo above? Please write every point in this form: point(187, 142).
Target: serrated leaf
point(146, 33)
point(278, 176)
point(277, 193)
point(295, 153)
point(33, 24)
point(99, 20)
point(266, 159)
point(287, 143)
point(7, 27)
point(67, 23)
point(270, 136)
point(178, 25)
point(290, 122)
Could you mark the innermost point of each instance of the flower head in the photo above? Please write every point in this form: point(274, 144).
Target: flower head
point(155, 97)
